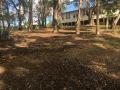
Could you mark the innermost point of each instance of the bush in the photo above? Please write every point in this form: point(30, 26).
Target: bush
point(35, 27)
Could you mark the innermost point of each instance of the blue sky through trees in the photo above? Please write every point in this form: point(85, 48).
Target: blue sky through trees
point(72, 6)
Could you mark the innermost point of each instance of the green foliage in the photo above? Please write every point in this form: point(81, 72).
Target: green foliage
point(110, 7)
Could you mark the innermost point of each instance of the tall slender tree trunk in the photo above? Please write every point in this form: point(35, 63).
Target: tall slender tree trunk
point(1, 31)
point(115, 22)
point(79, 18)
point(8, 28)
point(107, 23)
point(43, 16)
point(3, 27)
point(43, 13)
point(97, 17)
point(19, 17)
point(55, 15)
point(90, 13)
point(20, 21)
point(30, 15)
point(39, 21)
point(2, 20)
point(59, 14)
point(45, 22)
point(8, 19)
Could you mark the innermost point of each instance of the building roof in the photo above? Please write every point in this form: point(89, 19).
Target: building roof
point(70, 7)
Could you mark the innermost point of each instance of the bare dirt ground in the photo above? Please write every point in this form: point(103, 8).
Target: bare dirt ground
point(42, 60)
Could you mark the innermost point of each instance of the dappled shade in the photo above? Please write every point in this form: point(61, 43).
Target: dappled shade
point(60, 61)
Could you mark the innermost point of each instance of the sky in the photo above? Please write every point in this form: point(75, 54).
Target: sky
point(72, 7)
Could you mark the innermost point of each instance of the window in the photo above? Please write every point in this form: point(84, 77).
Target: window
point(67, 15)
point(74, 16)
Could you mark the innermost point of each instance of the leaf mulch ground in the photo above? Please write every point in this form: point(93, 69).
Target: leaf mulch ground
point(64, 61)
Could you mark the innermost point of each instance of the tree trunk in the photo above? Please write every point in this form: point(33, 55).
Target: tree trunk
point(79, 18)
point(20, 22)
point(3, 27)
point(8, 28)
point(55, 15)
point(43, 13)
point(97, 18)
point(43, 18)
point(19, 17)
point(30, 15)
point(107, 23)
point(8, 19)
point(59, 14)
point(90, 12)
point(115, 22)
point(3, 24)
point(42, 21)
point(39, 21)
point(45, 22)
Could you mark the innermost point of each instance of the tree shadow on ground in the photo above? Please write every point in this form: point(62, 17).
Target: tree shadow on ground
point(7, 43)
point(55, 75)
point(62, 63)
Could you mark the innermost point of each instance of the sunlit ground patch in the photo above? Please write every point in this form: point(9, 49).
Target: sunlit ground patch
point(2, 85)
point(115, 75)
point(97, 66)
point(20, 71)
point(2, 70)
